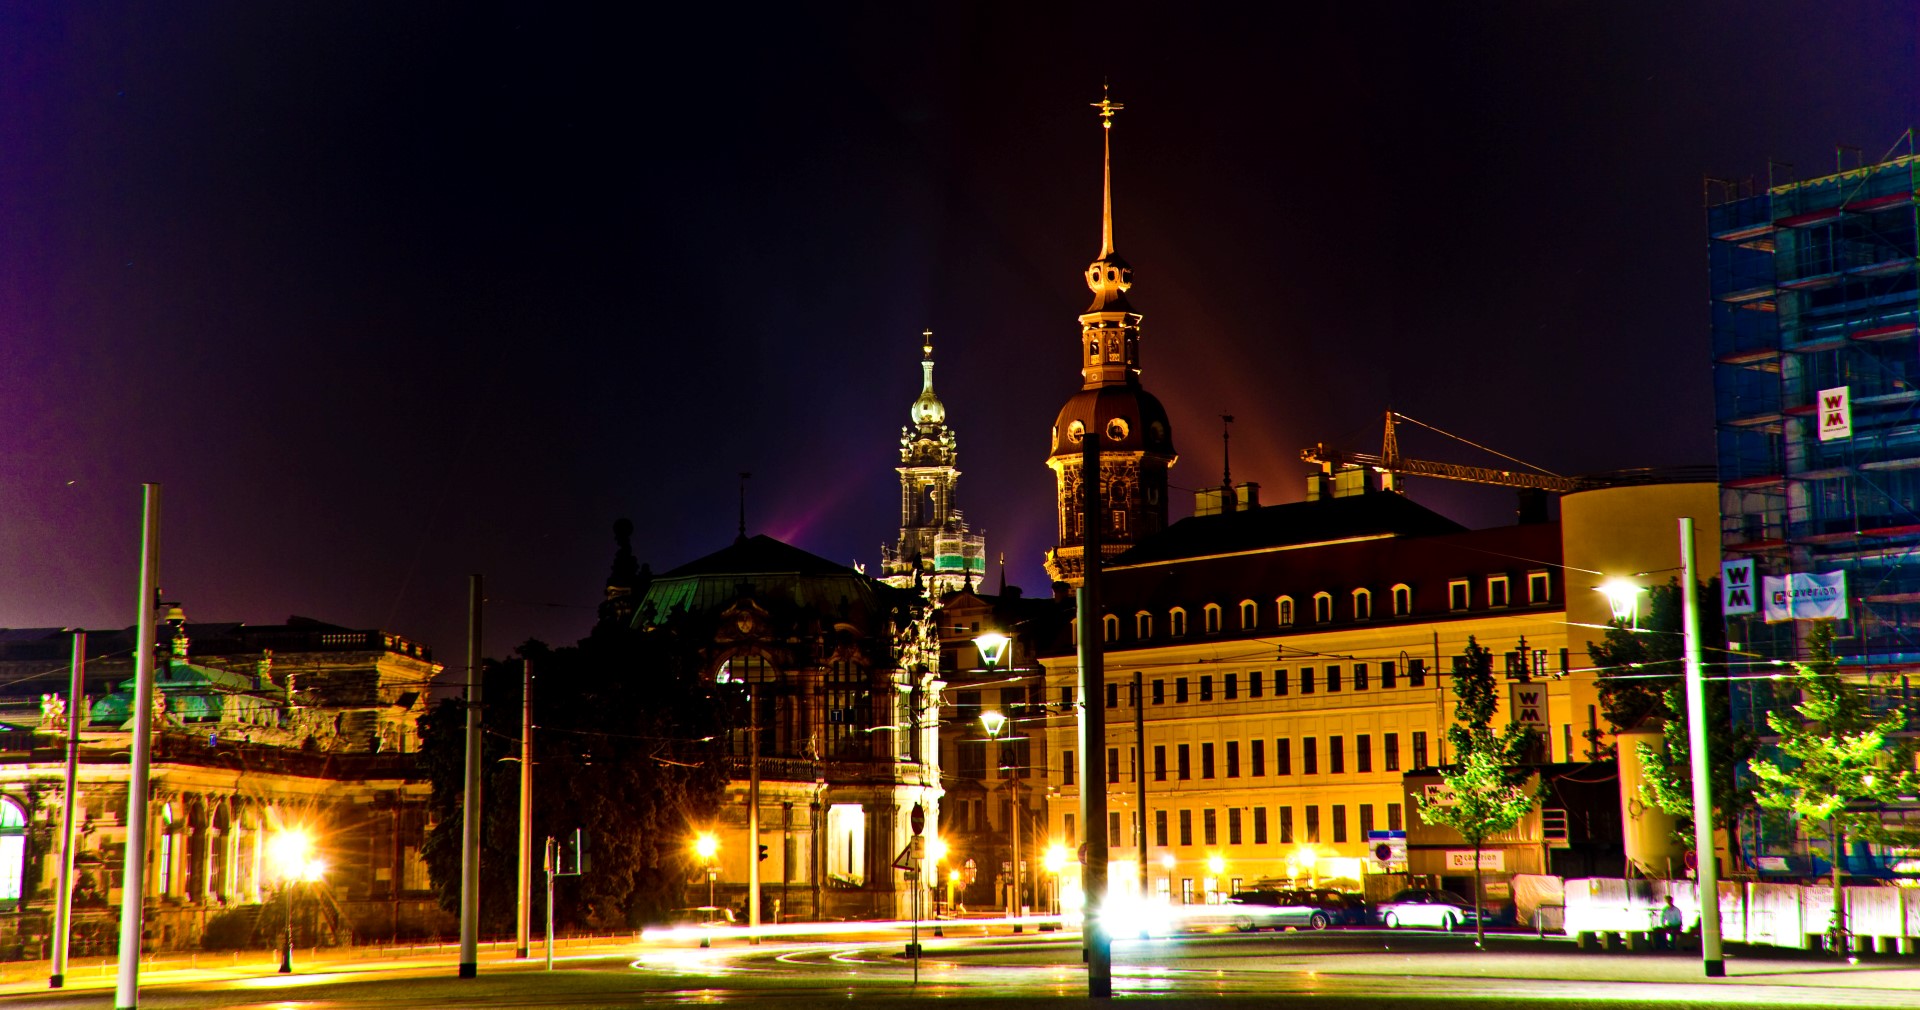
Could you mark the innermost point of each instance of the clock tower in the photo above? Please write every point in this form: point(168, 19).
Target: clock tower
point(935, 546)
point(1135, 441)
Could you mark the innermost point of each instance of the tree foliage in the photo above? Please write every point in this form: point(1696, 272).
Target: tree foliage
point(624, 748)
point(1485, 790)
point(1837, 763)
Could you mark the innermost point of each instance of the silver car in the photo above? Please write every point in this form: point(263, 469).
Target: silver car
point(1425, 906)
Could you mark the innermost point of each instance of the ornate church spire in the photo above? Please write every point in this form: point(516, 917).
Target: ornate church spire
point(934, 542)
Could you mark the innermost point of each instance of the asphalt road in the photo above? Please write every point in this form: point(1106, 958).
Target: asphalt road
point(1360, 969)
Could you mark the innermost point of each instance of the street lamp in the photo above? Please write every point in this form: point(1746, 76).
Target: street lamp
point(1056, 861)
point(292, 853)
point(706, 845)
point(1216, 867)
point(995, 723)
point(1623, 600)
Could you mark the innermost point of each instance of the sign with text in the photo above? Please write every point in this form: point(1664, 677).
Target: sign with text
point(1736, 587)
point(1438, 794)
point(1490, 859)
point(1805, 595)
point(1836, 414)
point(1389, 851)
point(1527, 705)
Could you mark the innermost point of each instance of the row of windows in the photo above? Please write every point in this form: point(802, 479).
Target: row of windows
point(1225, 761)
point(1332, 679)
point(1498, 594)
point(1239, 819)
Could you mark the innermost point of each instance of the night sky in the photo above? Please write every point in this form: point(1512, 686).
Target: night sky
point(384, 294)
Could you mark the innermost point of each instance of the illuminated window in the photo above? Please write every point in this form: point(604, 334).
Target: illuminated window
point(1457, 595)
point(1497, 591)
point(1284, 609)
point(1539, 587)
point(1402, 600)
point(1249, 615)
point(1211, 616)
point(1362, 605)
point(1322, 608)
point(1177, 622)
point(846, 843)
point(1143, 625)
point(13, 853)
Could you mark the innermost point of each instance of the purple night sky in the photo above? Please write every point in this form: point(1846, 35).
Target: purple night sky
point(385, 294)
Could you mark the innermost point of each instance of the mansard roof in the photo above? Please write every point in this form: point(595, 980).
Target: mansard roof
point(1329, 520)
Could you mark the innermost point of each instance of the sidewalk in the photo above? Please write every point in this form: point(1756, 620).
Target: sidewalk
point(86, 973)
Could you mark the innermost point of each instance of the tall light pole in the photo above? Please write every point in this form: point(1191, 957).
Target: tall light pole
point(706, 846)
point(523, 906)
point(470, 799)
point(63, 902)
point(1705, 858)
point(133, 871)
point(995, 724)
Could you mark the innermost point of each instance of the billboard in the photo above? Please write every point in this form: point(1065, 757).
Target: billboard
point(1802, 596)
point(1736, 587)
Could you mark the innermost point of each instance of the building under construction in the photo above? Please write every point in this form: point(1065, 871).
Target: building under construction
point(1817, 411)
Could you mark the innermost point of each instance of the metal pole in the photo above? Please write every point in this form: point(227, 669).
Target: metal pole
point(1014, 828)
point(523, 913)
point(133, 873)
point(63, 904)
point(551, 855)
point(1093, 722)
point(1706, 857)
point(470, 801)
point(286, 905)
point(753, 814)
point(1140, 770)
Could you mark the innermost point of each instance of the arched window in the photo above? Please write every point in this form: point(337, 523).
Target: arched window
point(1143, 625)
point(1177, 622)
point(1283, 608)
point(1111, 625)
point(1211, 615)
point(13, 853)
point(1362, 604)
point(1322, 608)
point(1402, 600)
point(1249, 615)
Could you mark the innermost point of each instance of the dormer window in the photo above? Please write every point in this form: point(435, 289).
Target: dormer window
point(1458, 592)
point(1143, 625)
point(1497, 595)
point(1539, 587)
point(1249, 615)
point(1362, 605)
point(1111, 625)
point(1177, 622)
point(1322, 608)
point(1283, 609)
point(1402, 600)
point(1211, 615)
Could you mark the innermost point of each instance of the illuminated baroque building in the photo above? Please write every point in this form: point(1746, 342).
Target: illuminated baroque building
point(843, 671)
point(1136, 442)
point(934, 545)
point(303, 727)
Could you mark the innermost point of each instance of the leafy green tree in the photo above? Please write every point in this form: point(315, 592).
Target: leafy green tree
point(1837, 763)
point(1642, 677)
point(1485, 790)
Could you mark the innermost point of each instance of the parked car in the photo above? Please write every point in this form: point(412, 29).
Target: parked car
point(705, 915)
point(1425, 906)
point(1308, 908)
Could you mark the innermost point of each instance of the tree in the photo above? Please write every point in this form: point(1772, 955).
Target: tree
point(1484, 791)
point(1642, 677)
point(1837, 763)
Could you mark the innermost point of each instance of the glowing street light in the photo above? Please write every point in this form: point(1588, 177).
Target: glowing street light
point(706, 845)
point(291, 852)
point(1623, 600)
point(993, 648)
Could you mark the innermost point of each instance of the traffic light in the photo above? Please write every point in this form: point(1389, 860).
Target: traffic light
point(763, 853)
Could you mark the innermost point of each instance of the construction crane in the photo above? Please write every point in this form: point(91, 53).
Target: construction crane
point(1390, 464)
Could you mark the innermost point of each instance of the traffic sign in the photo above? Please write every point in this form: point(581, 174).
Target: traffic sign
point(917, 819)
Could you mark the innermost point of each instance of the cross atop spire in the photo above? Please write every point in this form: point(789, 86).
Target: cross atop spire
point(1107, 107)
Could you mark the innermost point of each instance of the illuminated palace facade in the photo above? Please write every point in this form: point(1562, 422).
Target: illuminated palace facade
point(934, 547)
point(1294, 664)
point(305, 727)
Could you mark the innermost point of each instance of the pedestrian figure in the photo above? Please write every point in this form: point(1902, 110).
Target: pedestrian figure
point(1664, 938)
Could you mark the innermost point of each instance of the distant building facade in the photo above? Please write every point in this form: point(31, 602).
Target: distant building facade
point(306, 727)
point(843, 674)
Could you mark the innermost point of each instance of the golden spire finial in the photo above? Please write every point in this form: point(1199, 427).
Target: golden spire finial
point(1107, 107)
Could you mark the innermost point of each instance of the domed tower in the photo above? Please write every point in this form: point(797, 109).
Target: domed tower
point(1136, 442)
point(934, 541)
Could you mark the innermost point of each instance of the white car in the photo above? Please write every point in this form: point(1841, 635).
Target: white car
point(1425, 906)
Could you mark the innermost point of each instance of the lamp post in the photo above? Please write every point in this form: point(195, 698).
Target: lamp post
point(706, 846)
point(292, 851)
point(1056, 861)
point(1623, 598)
point(995, 724)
